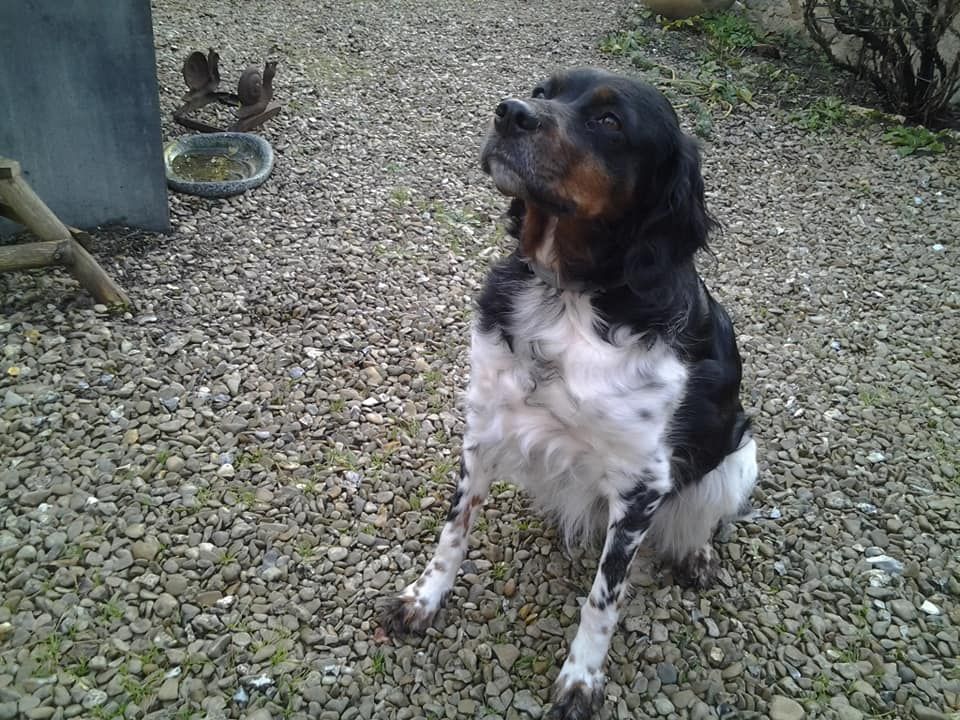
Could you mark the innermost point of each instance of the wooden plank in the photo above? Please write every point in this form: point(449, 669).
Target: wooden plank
point(71, 255)
point(9, 213)
point(32, 255)
point(59, 247)
point(16, 193)
point(93, 277)
point(81, 236)
point(8, 168)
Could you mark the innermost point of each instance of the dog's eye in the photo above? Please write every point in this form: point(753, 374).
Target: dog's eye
point(539, 92)
point(607, 121)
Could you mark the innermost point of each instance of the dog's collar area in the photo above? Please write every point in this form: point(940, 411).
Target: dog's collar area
point(554, 279)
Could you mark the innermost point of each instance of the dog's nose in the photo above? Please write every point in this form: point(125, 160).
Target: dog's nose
point(515, 116)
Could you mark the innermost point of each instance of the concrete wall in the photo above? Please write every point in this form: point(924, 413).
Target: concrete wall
point(79, 109)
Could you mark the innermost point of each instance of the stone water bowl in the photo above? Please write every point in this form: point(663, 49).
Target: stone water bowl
point(217, 164)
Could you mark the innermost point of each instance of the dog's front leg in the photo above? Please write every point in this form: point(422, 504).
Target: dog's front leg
point(414, 609)
point(578, 690)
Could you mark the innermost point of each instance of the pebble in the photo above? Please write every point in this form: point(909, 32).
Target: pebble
point(176, 584)
point(507, 654)
point(683, 699)
point(93, 698)
point(524, 701)
point(122, 559)
point(887, 564)
point(667, 673)
point(784, 708)
point(922, 712)
point(663, 705)
point(11, 400)
point(848, 712)
point(146, 549)
point(903, 609)
point(169, 690)
point(373, 376)
point(55, 540)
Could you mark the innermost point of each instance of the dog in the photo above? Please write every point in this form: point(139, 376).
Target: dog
point(605, 379)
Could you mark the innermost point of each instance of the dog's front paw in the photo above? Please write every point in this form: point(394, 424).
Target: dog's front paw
point(407, 614)
point(577, 701)
point(699, 569)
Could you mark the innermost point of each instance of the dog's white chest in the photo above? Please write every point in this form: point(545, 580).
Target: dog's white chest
point(567, 414)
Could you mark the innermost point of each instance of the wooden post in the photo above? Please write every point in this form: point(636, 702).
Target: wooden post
point(32, 255)
point(29, 208)
point(58, 246)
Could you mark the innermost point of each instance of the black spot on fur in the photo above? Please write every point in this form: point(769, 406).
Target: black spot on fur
point(395, 616)
point(455, 500)
point(698, 570)
point(576, 703)
point(402, 616)
point(637, 499)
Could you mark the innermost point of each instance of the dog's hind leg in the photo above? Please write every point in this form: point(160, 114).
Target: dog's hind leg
point(414, 609)
point(683, 527)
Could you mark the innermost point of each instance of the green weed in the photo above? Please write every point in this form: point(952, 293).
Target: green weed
point(728, 34)
point(915, 139)
point(441, 471)
point(48, 655)
point(400, 195)
point(624, 43)
point(110, 611)
point(338, 459)
point(822, 115)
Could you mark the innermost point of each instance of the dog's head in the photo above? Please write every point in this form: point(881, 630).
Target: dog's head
point(598, 167)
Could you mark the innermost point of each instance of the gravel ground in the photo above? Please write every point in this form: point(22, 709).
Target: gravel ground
point(203, 498)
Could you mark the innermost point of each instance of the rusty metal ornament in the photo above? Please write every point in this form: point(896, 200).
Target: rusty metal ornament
point(254, 96)
point(255, 89)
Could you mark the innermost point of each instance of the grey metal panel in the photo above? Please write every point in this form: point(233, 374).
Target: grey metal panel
point(79, 109)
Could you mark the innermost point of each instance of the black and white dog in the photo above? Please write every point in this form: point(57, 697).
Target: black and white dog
point(604, 377)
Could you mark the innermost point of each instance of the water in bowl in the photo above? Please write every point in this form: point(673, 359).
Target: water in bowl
point(211, 166)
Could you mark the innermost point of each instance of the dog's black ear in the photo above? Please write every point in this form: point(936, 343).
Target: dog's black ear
point(513, 217)
point(685, 222)
point(673, 224)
